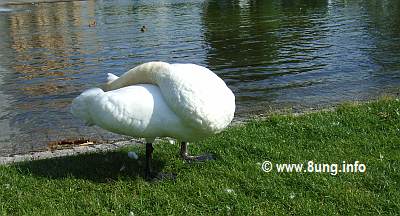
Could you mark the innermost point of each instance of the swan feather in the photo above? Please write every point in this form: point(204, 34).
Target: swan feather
point(198, 96)
point(138, 111)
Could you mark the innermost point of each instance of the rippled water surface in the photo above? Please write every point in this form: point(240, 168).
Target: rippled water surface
point(272, 54)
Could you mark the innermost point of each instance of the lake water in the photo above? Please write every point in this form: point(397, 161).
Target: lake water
point(272, 54)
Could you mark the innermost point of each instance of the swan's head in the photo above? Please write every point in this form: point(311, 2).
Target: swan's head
point(82, 105)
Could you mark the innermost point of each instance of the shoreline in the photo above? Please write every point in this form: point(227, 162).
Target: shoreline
point(70, 151)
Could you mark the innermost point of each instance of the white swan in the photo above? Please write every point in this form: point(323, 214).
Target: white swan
point(156, 99)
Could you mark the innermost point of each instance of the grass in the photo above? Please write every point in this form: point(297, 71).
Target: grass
point(234, 184)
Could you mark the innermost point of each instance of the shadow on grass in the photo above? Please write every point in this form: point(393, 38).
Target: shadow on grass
point(100, 167)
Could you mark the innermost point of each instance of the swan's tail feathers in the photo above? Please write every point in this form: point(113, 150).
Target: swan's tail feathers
point(111, 77)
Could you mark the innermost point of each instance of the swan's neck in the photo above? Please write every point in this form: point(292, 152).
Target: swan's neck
point(147, 73)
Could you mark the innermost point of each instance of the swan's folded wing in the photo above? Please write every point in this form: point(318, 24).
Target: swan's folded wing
point(125, 111)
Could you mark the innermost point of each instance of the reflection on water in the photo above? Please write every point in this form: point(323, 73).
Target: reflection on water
point(303, 53)
point(296, 53)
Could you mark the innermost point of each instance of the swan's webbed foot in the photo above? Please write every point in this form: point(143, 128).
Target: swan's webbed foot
point(159, 176)
point(148, 173)
point(190, 158)
point(198, 158)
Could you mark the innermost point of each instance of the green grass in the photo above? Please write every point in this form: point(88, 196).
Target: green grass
point(234, 184)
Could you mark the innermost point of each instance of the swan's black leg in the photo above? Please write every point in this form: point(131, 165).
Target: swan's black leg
point(148, 172)
point(185, 154)
point(149, 157)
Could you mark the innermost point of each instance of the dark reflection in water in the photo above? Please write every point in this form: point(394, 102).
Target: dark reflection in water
point(273, 54)
point(303, 53)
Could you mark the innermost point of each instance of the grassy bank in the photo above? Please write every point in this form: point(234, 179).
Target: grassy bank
point(111, 183)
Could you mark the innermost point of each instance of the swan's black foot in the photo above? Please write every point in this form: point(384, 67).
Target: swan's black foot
point(151, 176)
point(198, 158)
point(154, 177)
point(189, 158)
